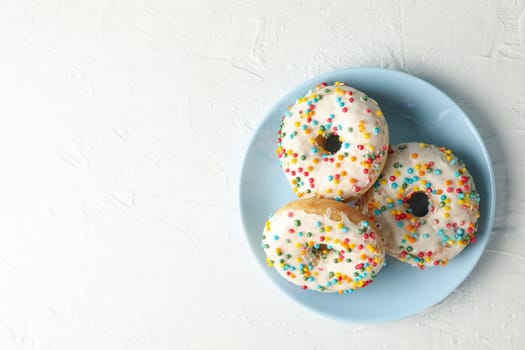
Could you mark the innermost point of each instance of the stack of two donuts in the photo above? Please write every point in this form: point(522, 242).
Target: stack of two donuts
point(414, 201)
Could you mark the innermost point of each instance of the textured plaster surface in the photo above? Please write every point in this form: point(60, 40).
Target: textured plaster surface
point(122, 129)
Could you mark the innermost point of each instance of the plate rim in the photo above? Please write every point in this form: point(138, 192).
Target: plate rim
point(289, 95)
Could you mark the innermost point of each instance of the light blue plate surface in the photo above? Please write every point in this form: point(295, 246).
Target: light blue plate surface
point(415, 111)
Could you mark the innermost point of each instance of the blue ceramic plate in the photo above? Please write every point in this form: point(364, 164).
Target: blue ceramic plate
point(415, 111)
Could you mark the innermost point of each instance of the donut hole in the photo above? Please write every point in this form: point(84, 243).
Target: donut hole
point(418, 204)
point(329, 143)
point(321, 252)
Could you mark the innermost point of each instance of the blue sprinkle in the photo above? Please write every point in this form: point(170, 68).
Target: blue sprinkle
point(399, 202)
point(315, 122)
point(314, 150)
point(330, 177)
point(303, 127)
point(426, 235)
point(377, 212)
point(460, 231)
point(390, 205)
point(291, 136)
point(365, 223)
point(275, 237)
point(346, 145)
point(344, 229)
point(437, 172)
point(393, 185)
point(440, 232)
point(443, 197)
point(456, 173)
point(399, 224)
point(338, 99)
point(341, 104)
point(288, 114)
point(453, 162)
point(332, 116)
point(461, 195)
point(376, 131)
point(410, 170)
point(311, 279)
point(318, 223)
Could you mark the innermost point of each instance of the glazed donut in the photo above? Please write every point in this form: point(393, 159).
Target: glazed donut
point(424, 204)
point(323, 245)
point(332, 143)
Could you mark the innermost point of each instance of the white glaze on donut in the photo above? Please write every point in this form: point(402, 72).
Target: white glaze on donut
point(451, 221)
point(316, 252)
point(363, 133)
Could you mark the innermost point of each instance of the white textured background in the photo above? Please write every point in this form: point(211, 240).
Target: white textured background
point(122, 127)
